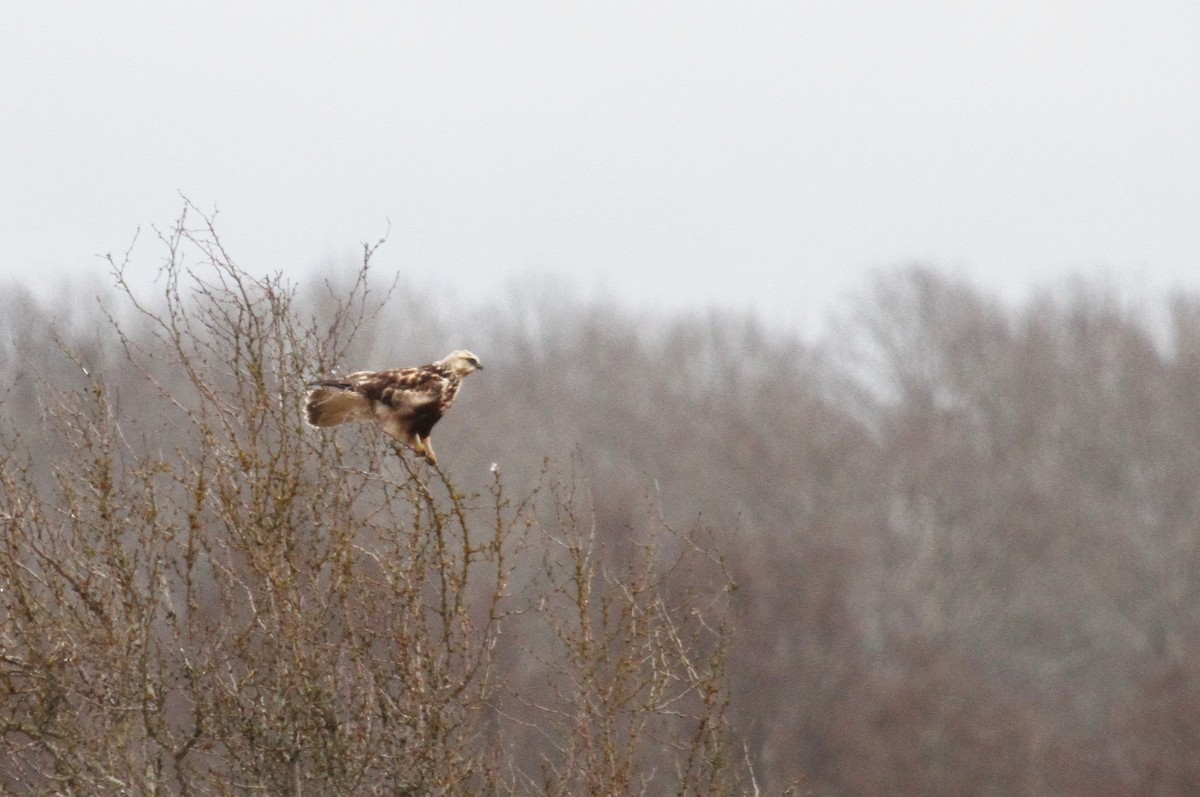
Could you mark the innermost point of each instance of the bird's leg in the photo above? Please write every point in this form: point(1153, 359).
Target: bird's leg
point(426, 448)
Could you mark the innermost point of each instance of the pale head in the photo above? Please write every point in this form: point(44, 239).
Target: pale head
point(461, 362)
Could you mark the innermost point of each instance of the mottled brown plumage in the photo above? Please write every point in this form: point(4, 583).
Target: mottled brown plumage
point(405, 402)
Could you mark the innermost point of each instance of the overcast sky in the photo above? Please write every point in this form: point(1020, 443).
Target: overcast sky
point(677, 154)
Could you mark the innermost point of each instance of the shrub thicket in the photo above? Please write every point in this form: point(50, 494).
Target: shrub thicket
point(201, 595)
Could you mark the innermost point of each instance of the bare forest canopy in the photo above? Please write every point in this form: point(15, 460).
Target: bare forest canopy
point(954, 551)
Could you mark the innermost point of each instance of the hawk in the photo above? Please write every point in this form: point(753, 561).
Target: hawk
point(405, 402)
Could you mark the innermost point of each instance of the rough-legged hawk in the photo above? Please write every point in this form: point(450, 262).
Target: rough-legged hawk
point(406, 402)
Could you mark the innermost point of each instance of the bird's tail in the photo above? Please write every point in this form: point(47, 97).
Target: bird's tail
point(329, 406)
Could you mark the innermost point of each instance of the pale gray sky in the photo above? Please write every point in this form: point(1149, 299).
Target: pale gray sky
point(754, 155)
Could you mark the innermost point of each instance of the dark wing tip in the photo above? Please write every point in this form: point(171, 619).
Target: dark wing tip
point(338, 383)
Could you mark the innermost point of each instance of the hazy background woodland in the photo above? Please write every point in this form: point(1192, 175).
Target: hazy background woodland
point(963, 534)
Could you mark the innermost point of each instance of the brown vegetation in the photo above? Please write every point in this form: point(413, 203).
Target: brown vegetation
point(201, 595)
point(954, 554)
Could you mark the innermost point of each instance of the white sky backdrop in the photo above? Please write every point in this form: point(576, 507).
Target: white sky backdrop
point(761, 155)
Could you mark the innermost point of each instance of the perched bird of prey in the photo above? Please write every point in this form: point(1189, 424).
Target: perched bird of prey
point(405, 402)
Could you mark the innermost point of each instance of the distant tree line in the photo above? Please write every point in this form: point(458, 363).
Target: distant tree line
point(952, 549)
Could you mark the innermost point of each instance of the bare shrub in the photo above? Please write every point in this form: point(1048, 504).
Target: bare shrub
point(200, 595)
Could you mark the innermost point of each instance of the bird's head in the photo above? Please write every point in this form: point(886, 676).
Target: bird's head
point(461, 362)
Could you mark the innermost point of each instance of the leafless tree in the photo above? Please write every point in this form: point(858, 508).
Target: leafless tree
point(200, 595)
